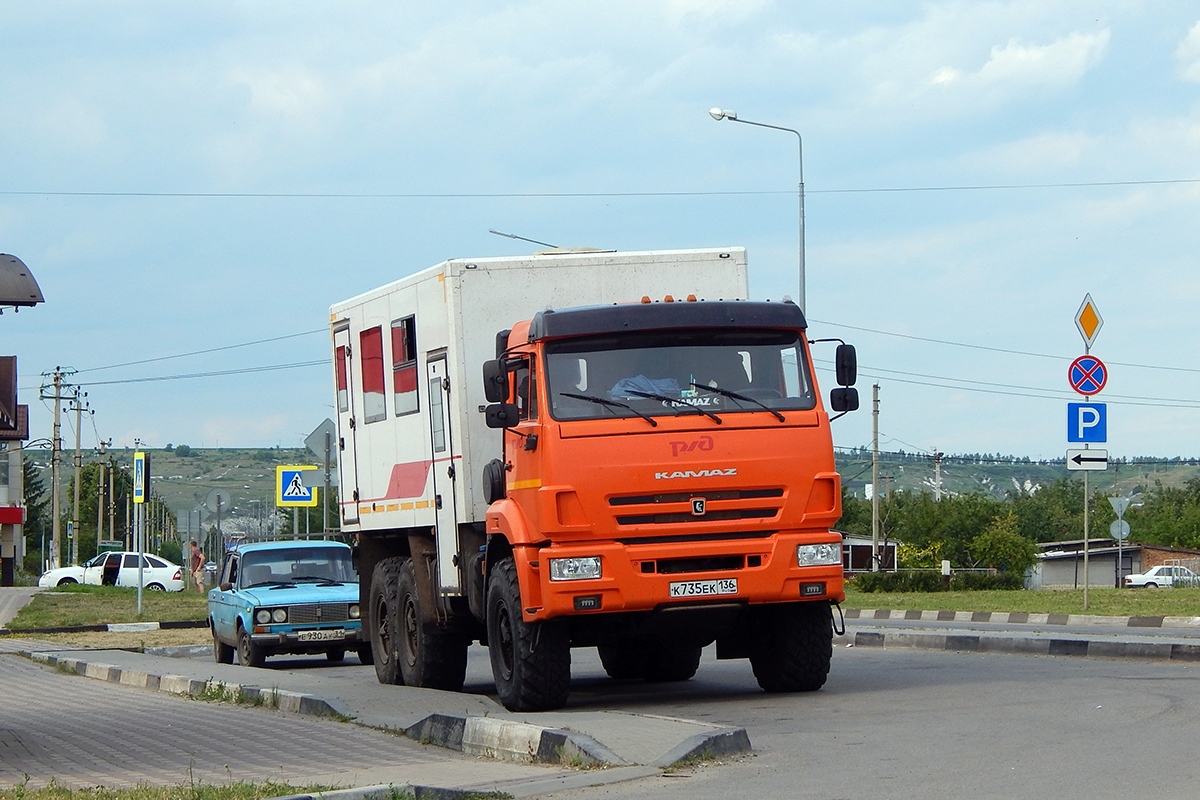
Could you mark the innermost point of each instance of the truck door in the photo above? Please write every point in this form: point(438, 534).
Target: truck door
point(445, 465)
point(343, 368)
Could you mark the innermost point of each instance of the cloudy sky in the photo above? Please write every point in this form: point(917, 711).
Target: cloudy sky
point(194, 184)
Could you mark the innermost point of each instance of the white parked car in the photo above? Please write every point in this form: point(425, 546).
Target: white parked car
point(1163, 576)
point(119, 569)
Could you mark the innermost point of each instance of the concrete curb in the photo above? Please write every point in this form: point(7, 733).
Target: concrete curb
point(1021, 618)
point(985, 643)
point(114, 627)
point(488, 737)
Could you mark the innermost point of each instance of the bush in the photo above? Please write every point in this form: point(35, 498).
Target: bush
point(908, 581)
point(931, 581)
point(982, 581)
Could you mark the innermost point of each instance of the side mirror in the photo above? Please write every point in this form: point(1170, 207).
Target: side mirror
point(495, 381)
point(501, 415)
point(225, 587)
point(847, 366)
point(843, 399)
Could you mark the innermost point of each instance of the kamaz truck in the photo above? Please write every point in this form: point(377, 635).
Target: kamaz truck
point(615, 450)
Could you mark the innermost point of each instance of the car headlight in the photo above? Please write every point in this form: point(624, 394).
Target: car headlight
point(279, 615)
point(354, 612)
point(579, 568)
point(818, 555)
point(262, 616)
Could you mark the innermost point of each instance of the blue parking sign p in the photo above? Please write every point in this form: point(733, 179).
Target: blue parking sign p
point(1087, 422)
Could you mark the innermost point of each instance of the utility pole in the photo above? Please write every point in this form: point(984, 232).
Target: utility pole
point(78, 407)
point(100, 496)
point(875, 478)
point(937, 474)
point(56, 382)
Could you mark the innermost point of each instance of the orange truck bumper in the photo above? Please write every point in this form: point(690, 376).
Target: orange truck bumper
point(644, 577)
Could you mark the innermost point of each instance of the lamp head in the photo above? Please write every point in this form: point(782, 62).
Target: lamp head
point(720, 113)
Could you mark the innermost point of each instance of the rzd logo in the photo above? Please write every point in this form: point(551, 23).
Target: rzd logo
point(703, 443)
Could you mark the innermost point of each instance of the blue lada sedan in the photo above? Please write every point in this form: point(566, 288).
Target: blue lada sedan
point(286, 597)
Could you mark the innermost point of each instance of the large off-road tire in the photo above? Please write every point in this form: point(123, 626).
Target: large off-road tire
point(792, 646)
point(670, 663)
point(222, 653)
point(622, 662)
point(531, 661)
point(249, 653)
point(385, 635)
point(432, 658)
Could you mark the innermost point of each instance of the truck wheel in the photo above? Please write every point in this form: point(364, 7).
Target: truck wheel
point(531, 661)
point(671, 663)
point(383, 605)
point(792, 646)
point(430, 658)
point(249, 654)
point(622, 662)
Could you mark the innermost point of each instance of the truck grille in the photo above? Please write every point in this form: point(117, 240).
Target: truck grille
point(309, 613)
point(722, 505)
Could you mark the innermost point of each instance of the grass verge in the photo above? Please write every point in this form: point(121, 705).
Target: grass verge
point(1101, 602)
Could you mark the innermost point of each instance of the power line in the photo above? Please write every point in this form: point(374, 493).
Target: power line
point(994, 349)
point(556, 195)
point(214, 374)
point(204, 352)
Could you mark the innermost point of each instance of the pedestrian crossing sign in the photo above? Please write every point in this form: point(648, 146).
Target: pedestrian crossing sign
point(290, 488)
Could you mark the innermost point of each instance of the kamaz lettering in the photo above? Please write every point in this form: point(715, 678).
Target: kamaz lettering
point(695, 473)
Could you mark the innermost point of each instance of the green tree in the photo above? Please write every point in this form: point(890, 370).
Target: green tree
point(1001, 546)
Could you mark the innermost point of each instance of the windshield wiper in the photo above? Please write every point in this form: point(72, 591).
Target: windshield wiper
point(736, 396)
point(321, 579)
point(675, 401)
point(591, 398)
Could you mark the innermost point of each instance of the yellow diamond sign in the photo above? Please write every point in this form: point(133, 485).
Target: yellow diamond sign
point(1088, 320)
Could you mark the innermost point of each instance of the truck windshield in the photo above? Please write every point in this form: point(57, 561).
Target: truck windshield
point(677, 372)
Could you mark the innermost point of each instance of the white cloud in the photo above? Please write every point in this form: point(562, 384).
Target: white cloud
point(1017, 67)
point(1187, 55)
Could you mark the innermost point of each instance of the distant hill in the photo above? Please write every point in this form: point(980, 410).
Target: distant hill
point(185, 477)
point(997, 475)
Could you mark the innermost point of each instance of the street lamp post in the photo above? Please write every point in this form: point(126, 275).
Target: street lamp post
point(722, 113)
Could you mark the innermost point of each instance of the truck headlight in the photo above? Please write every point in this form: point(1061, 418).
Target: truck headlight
point(579, 568)
point(818, 555)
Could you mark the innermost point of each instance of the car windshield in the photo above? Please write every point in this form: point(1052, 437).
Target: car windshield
point(297, 565)
point(693, 372)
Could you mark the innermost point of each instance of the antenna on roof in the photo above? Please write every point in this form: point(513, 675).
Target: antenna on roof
point(522, 238)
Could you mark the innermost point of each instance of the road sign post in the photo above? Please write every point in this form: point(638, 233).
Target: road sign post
point(1087, 375)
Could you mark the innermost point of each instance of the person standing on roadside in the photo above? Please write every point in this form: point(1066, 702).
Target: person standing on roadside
point(197, 566)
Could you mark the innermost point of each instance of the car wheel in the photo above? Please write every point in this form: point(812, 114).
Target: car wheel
point(1150, 585)
point(222, 653)
point(67, 582)
point(365, 654)
point(156, 587)
point(335, 656)
point(249, 654)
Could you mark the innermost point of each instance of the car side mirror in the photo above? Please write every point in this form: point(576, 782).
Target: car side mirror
point(226, 587)
point(501, 415)
point(843, 399)
point(846, 360)
point(495, 381)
